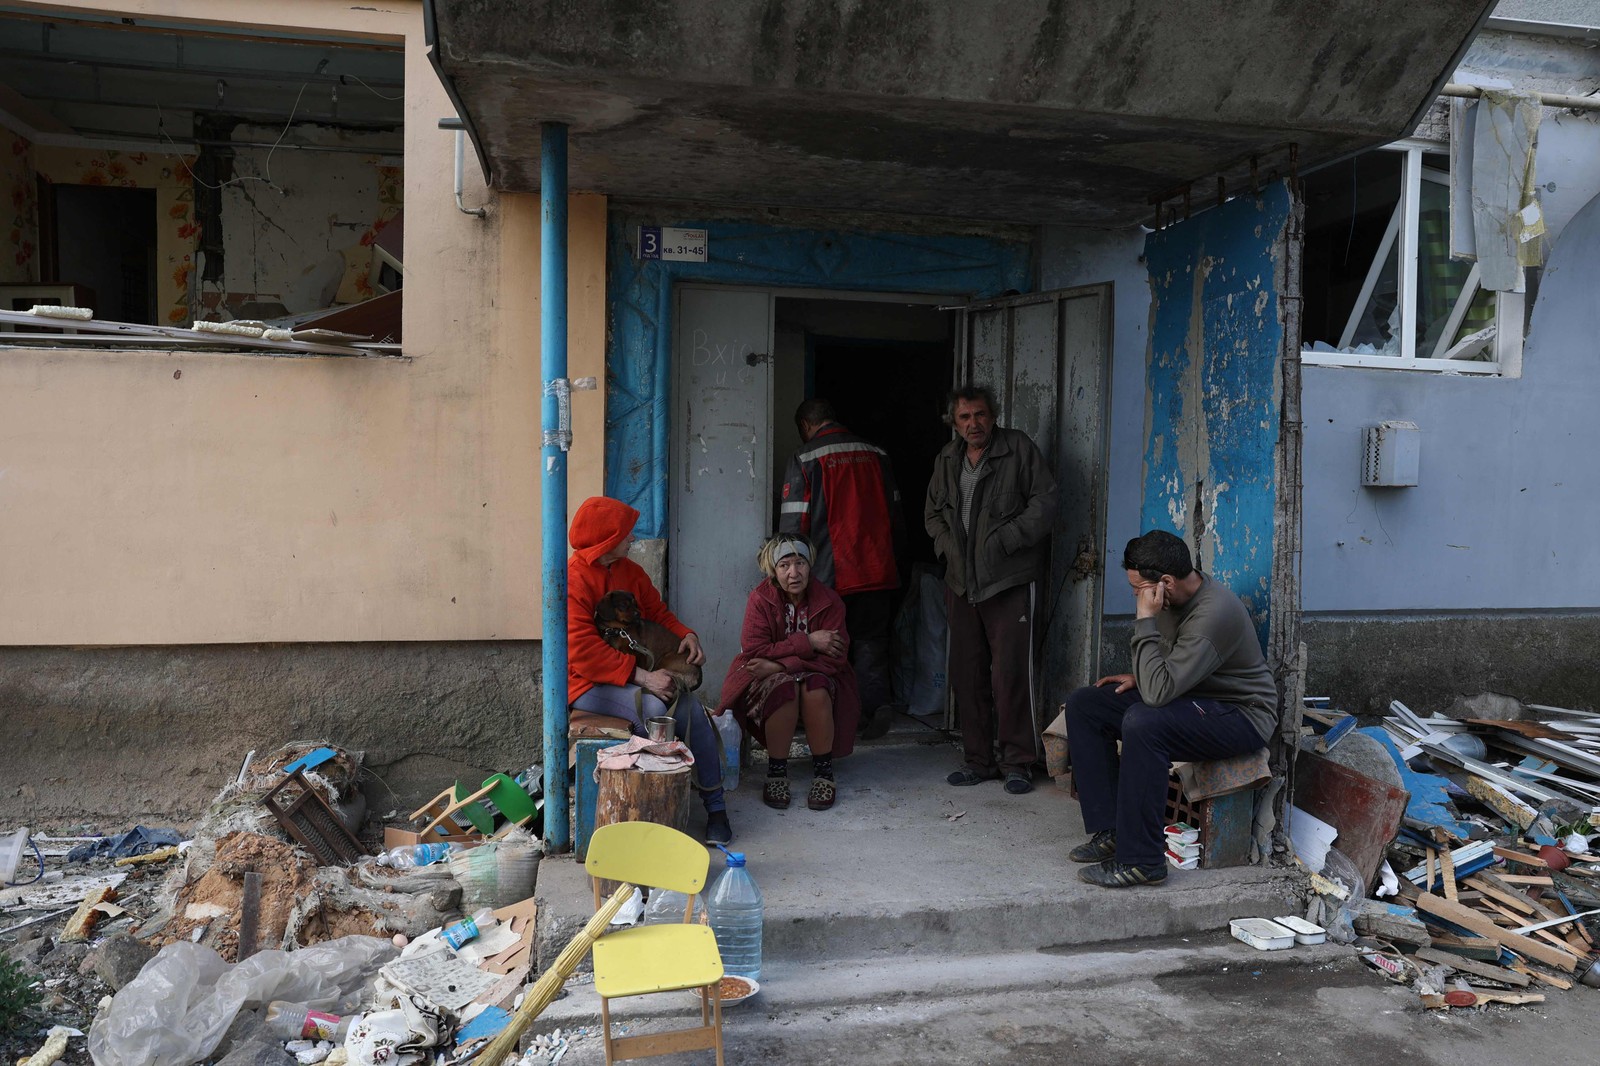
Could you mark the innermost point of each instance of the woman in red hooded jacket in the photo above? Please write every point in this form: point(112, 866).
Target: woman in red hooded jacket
point(603, 680)
point(794, 665)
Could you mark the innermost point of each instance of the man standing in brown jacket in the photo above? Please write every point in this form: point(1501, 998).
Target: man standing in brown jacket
point(990, 506)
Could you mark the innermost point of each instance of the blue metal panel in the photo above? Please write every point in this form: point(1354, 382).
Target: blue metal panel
point(638, 360)
point(1212, 384)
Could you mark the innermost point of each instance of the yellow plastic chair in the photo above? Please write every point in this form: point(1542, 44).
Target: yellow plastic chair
point(655, 958)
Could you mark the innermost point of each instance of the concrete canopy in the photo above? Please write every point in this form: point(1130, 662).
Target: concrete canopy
point(1012, 110)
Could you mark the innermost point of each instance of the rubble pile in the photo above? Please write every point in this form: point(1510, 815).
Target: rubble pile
point(246, 944)
point(1460, 852)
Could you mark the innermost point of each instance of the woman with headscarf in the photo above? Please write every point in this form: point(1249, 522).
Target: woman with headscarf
point(603, 680)
point(793, 666)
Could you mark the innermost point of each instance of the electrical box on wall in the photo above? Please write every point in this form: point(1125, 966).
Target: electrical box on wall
point(1391, 454)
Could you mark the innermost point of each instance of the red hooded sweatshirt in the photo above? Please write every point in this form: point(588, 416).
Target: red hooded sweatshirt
point(599, 526)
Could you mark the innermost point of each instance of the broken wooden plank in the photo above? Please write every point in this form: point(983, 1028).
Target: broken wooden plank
point(1448, 873)
point(83, 919)
point(1502, 892)
point(1550, 979)
point(1531, 730)
point(1470, 919)
point(1510, 998)
point(1526, 879)
point(1525, 858)
point(1484, 970)
point(1501, 801)
point(1478, 947)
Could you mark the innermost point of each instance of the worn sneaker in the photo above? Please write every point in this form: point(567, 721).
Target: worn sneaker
point(1099, 848)
point(718, 829)
point(1018, 784)
point(968, 776)
point(1114, 874)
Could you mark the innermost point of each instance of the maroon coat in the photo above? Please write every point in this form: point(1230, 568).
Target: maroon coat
point(764, 637)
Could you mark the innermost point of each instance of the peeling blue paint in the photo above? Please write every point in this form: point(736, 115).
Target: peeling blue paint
point(1212, 380)
point(639, 294)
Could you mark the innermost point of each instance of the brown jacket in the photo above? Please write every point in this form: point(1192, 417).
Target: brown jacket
point(1013, 509)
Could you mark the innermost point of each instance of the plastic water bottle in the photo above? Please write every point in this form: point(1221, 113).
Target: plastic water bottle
point(728, 729)
point(295, 1021)
point(413, 855)
point(736, 917)
point(468, 928)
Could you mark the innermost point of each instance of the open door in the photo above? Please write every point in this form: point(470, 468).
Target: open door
point(722, 462)
point(1047, 356)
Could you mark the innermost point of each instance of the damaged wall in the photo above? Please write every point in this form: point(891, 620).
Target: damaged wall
point(304, 238)
point(185, 498)
point(180, 527)
point(146, 721)
point(1471, 580)
point(1211, 421)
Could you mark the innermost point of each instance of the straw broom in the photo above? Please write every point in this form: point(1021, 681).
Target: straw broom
point(549, 985)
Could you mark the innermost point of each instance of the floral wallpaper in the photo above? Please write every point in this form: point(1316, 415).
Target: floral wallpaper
point(177, 231)
point(20, 259)
point(357, 284)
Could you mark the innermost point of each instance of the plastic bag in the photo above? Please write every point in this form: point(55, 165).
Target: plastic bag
point(183, 1001)
point(666, 907)
point(496, 874)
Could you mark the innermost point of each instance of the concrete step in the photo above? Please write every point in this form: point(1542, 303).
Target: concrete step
point(809, 986)
point(908, 864)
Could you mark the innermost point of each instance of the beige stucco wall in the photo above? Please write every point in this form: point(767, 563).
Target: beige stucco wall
point(161, 497)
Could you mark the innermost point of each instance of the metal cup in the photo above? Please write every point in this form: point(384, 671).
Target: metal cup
point(660, 728)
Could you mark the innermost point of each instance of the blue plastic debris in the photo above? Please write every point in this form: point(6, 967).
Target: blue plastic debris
point(311, 760)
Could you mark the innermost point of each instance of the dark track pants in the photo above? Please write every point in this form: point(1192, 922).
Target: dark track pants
point(866, 619)
point(991, 670)
point(1130, 794)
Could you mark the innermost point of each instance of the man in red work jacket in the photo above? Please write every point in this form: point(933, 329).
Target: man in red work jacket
point(839, 491)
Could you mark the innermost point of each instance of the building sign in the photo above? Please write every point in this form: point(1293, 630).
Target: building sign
point(672, 244)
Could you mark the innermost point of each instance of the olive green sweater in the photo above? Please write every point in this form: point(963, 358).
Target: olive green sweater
point(1206, 649)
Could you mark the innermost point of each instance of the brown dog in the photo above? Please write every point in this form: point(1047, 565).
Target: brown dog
point(624, 628)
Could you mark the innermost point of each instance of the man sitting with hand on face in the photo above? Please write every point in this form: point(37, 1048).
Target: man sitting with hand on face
point(1200, 690)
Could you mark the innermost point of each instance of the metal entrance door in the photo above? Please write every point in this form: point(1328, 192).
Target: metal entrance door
point(1047, 356)
point(722, 462)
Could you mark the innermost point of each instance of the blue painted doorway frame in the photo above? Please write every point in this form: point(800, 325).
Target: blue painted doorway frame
point(639, 312)
point(1213, 386)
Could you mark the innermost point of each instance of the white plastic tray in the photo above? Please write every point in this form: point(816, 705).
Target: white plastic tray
point(1261, 933)
point(1304, 932)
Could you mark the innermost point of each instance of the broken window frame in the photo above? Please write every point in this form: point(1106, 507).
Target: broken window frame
point(1404, 226)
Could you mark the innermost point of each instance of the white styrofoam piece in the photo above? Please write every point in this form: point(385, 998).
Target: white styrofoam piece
point(1262, 934)
point(1304, 932)
point(13, 846)
point(1311, 837)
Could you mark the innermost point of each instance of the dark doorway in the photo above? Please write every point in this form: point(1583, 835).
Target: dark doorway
point(105, 241)
point(892, 393)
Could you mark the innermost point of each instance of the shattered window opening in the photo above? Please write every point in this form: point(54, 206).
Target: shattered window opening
point(272, 172)
point(1381, 288)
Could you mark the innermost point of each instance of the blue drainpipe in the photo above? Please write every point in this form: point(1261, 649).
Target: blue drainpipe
point(557, 423)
